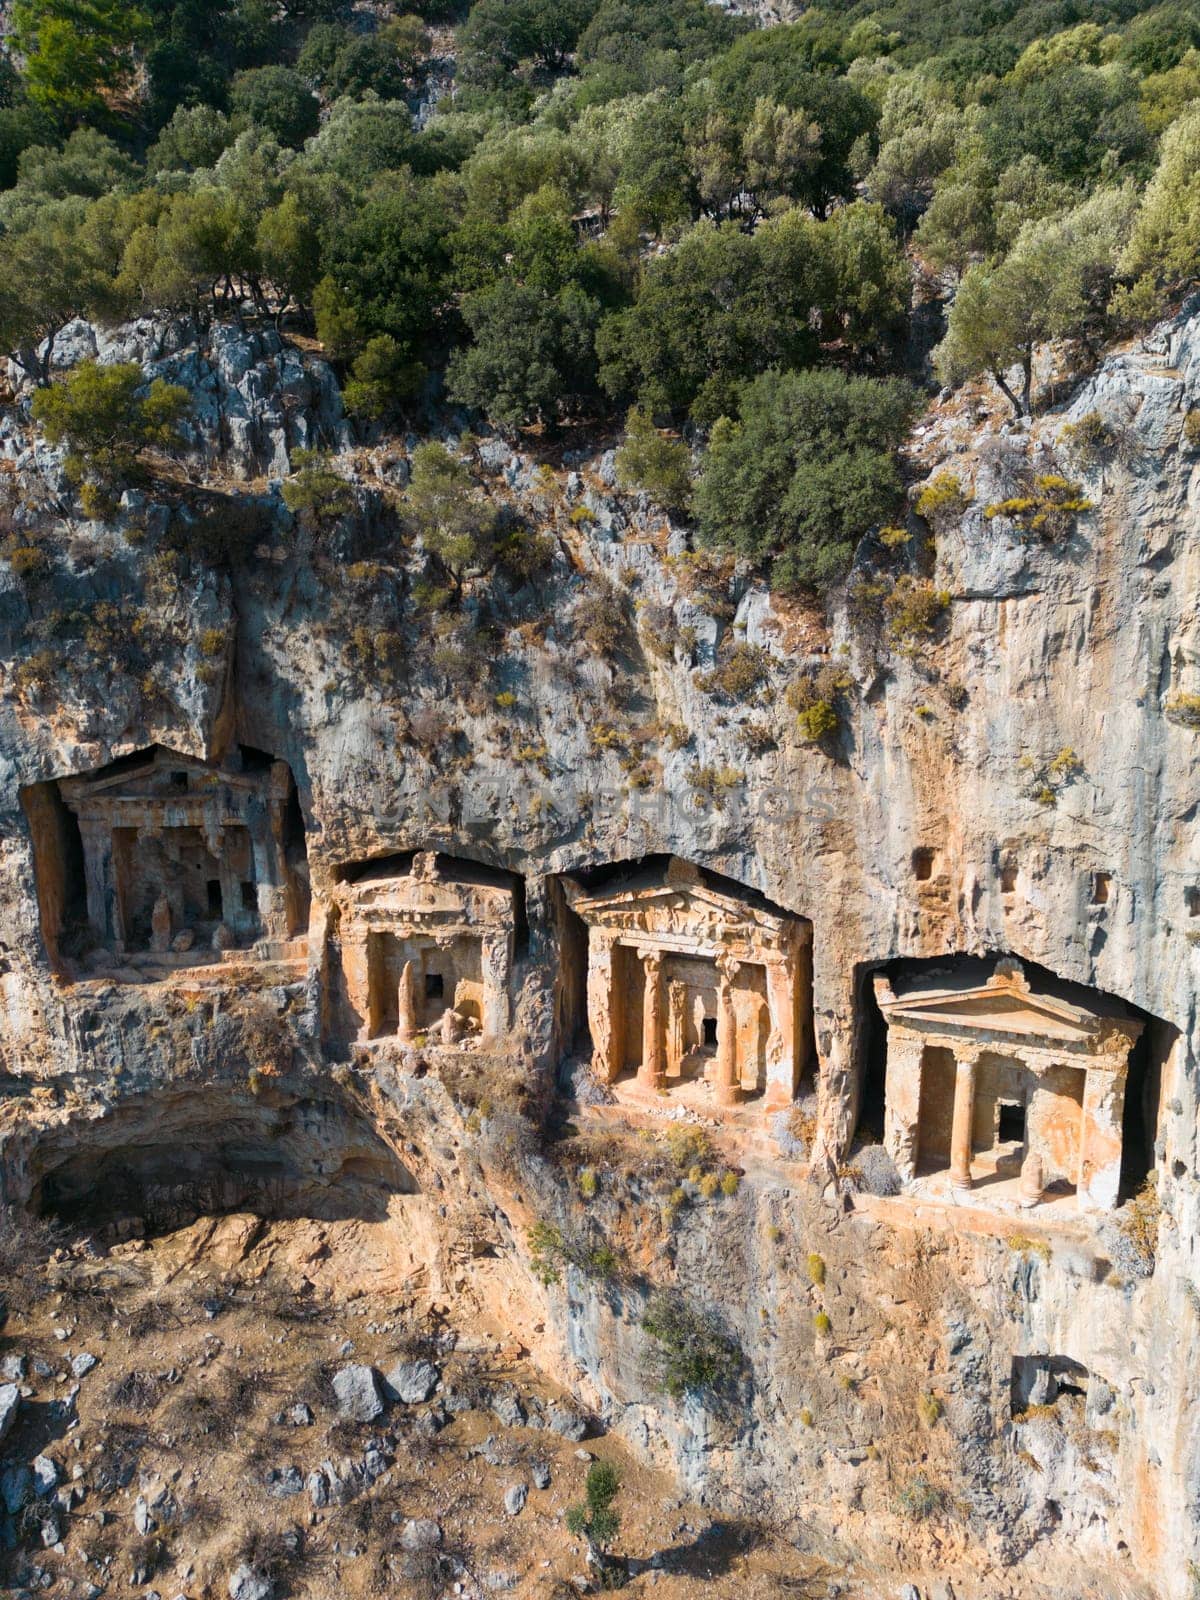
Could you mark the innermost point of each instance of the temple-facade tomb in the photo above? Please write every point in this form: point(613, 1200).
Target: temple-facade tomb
point(991, 1076)
point(181, 855)
point(427, 948)
point(693, 979)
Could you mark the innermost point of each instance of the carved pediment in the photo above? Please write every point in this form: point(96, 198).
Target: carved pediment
point(679, 905)
point(1006, 1004)
point(163, 775)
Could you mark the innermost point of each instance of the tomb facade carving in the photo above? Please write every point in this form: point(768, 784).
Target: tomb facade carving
point(694, 979)
point(427, 948)
point(993, 1076)
point(182, 857)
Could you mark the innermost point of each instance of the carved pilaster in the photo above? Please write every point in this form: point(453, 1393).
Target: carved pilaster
point(652, 1068)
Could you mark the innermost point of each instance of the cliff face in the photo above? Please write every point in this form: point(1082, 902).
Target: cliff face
point(1020, 780)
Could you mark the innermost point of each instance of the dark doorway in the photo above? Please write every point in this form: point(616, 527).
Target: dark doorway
point(435, 986)
point(213, 890)
point(249, 897)
point(710, 1033)
point(1012, 1123)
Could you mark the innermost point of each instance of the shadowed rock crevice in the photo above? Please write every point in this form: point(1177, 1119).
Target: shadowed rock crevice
point(160, 1163)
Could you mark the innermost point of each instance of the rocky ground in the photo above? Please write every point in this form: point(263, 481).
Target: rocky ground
point(205, 1415)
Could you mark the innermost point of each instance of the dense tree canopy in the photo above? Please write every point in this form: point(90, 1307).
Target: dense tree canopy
point(642, 209)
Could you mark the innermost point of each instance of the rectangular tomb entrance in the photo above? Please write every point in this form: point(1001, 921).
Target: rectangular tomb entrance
point(695, 981)
point(1004, 1086)
point(182, 857)
point(427, 948)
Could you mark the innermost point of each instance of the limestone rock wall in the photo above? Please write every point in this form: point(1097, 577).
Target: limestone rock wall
point(1078, 645)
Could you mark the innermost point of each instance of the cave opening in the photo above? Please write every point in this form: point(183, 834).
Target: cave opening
point(160, 1164)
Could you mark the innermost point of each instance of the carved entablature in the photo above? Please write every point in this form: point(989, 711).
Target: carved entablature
point(691, 917)
point(424, 939)
point(181, 854)
point(692, 980)
point(1004, 1010)
point(989, 1070)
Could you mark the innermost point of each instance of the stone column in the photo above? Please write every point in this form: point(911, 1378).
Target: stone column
point(496, 961)
point(97, 874)
point(726, 1078)
point(406, 1005)
point(651, 1070)
point(782, 1056)
point(964, 1112)
point(604, 1009)
point(902, 1099)
point(1100, 1137)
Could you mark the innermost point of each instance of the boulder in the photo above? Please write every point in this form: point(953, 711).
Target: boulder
point(420, 1533)
point(515, 1498)
point(246, 1584)
point(411, 1382)
point(358, 1396)
point(10, 1404)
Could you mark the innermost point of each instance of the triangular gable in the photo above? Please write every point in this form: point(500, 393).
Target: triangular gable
point(134, 780)
point(1006, 1003)
point(695, 901)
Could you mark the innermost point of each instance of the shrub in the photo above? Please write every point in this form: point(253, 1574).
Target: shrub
point(1191, 429)
point(942, 501)
point(597, 1522)
point(551, 1252)
point(1049, 512)
point(1184, 709)
point(693, 1354)
point(1089, 440)
point(816, 1269)
point(822, 1326)
point(913, 608)
point(874, 1171)
point(107, 424)
point(920, 1499)
point(708, 1185)
point(688, 1145)
point(25, 1245)
point(654, 462)
point(744, 669)
point(28, 561)
point(601, 616)
point(729, 1184)
point(383, 376)
point(1137, 1227)
point(317, 489)
point(713, 783)
point(589, 1183)
point(817, 698)
point(930, 1409)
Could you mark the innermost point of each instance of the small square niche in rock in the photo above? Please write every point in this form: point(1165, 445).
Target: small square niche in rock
point(411, 1382)
point(358, 1396)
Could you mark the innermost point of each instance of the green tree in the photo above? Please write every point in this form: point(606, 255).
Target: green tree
point(499, 35)
point(1165, 244)
point(532, 355)
point(288, 244)
point(382, 378)
point(74, 50)
point(195, 137)
point(389, 260)
point(316, 490)
point(720, 307)
point(659, 465)
point(1054, 283)
point(595, 1520)
point(456, 525)
point(108, 419)
point(49, 273)
point(88, 164)
point(277, 99)
point(804, 471)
